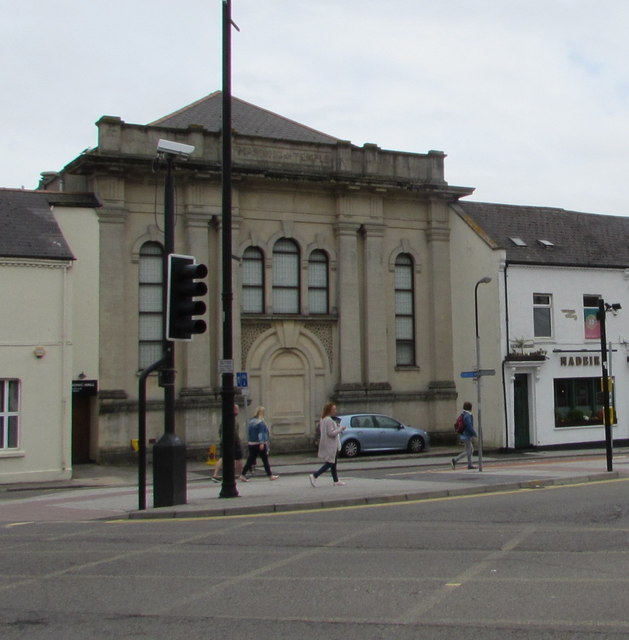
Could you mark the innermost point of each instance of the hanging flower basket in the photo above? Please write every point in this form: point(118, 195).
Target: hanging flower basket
point(520, 351)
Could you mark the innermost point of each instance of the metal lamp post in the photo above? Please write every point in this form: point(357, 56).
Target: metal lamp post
point(484, 280)
point(169, 452)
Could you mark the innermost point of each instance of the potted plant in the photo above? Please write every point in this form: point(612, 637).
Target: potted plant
point(521, 350)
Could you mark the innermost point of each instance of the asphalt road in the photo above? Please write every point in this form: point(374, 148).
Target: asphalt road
point(533, 563)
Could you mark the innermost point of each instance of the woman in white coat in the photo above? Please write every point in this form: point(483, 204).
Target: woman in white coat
point(329, 444)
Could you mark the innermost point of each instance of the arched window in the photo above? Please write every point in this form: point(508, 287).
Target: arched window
point(285, 276)
point(150, 329)
point(252, 281)
point(318, 282)
point(404, 311)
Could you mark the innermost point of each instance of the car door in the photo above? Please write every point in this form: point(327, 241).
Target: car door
point(364, 431)
point(390, 433)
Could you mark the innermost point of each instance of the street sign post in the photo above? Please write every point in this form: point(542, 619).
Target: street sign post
point(477, 374)
point(242, 379)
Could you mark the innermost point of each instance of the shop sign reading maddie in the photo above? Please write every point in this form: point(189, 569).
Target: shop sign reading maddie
point(580, 361)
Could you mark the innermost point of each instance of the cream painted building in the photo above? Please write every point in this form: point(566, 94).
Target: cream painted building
point(341, 274)
point(537, 321)
point(37, 329)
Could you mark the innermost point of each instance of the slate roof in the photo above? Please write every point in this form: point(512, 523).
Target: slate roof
point(578, 239)
point(247, 119)
point(28, 228)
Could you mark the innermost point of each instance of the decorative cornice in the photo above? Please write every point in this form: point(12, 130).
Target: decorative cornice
point(34, 263)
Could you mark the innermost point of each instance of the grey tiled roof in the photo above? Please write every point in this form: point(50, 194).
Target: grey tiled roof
point(247, 119)
point(578, 239)
point(28, 228)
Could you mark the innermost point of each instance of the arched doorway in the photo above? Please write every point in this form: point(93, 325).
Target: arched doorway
point(289, 374)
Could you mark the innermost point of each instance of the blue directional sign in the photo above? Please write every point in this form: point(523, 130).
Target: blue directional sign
point(476, 374)
point(242, 379)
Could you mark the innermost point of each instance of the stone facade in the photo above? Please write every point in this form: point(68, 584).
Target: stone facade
point(360, 208)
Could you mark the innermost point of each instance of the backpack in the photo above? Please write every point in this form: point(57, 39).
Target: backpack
point(459, 425)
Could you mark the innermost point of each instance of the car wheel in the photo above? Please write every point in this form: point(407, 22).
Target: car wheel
point(416, 444)
point(350, 449)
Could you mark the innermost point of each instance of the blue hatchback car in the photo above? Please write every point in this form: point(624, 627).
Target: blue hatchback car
point(375, 432)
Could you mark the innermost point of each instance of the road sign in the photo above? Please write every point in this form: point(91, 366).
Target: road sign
point(242, 379)
point(476, 374)
point(225, 366)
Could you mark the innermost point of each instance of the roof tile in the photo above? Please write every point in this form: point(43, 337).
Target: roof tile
point(579, 239)
point(247, 119)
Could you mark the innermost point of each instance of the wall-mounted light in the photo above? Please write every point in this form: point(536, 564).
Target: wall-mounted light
point(39, 352)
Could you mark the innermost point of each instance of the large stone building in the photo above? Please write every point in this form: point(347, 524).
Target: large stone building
point(341, 274)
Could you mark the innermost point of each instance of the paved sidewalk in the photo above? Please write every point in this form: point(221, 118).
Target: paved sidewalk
point(97, 493)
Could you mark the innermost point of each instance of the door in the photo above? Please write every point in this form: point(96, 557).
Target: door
point(521, 411)
point(80, 429)
point(390, 433)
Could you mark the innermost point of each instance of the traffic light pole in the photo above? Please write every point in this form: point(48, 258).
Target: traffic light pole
point(169, 452)
point(605, 379)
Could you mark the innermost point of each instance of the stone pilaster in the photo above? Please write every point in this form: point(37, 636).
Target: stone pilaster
point(115, 348)
point(348, 288)
point(375, 315)
point(440, 306)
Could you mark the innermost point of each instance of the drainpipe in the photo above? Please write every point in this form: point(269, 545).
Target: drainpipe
point(504, 361)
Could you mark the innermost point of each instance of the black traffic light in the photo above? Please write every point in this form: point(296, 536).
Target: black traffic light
point(183, 286)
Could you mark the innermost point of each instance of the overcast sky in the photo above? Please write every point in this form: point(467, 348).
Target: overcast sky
point(529, 99)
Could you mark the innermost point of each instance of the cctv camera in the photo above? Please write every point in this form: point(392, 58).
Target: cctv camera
point(174, 148)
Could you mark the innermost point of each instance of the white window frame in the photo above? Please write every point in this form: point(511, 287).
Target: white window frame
point(538, 305)
point(590, 310)
point(9, 413)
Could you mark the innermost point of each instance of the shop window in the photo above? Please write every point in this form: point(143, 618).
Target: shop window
point(253, 281)
point(150, 296)
point(404, 311)
point(285, 276)
point(318, 282)
point(542, 317)
point(592, 327)
point(9, 414)
point(578, 402)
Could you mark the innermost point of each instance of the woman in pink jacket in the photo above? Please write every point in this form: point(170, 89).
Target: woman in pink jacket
point(329, 444)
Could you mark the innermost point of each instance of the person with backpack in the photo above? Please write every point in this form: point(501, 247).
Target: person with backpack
point(466, 433)
point(258, 443)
